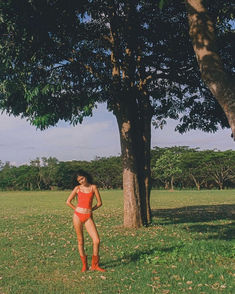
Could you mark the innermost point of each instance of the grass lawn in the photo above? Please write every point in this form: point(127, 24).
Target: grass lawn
point(188, 248)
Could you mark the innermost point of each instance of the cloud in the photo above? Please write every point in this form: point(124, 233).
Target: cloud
point(21, 142)
point(29, 148)
point(220, 140)
point(97, 136)
point(11, 122)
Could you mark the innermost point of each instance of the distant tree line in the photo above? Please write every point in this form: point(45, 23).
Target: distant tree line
point(184, 167)
point(50, 174)
point(174, 167)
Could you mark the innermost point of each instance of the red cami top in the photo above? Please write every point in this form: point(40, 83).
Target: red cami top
point(85, 199)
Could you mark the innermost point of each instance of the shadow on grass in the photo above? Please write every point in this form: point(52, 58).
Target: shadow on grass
point(200, 214)
point(138, 255)
point(225, 232)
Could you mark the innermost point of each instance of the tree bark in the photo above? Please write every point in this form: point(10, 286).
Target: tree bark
point(131, 105)
point(221, 186)
point(172, 183)
point(167, 185)
point(197, 183)
point(220, 83)
point(135, 138)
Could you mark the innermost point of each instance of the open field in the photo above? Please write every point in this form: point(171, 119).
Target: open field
point(189, 247)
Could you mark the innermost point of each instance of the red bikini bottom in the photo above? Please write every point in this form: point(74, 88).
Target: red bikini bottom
point(83, 216)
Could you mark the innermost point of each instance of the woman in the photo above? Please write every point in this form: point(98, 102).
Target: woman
point(85, 192)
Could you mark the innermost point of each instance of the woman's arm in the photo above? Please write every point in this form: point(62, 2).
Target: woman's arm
point(71, 196)
point(98, 198)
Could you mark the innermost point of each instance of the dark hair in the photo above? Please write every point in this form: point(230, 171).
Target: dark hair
point(82, 173)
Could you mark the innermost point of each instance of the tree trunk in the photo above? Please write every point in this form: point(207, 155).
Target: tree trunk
point(135, 137)
point(167, 185)
point(220, 83)
point(196, 182)
point(221, 186)
point(145, 154)
point(132, 108)
point(172, 183)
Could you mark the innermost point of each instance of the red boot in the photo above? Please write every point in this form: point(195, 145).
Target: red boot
point(95, 264)
point(84, 263)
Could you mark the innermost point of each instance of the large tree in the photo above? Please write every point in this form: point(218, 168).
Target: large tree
point(217, 76)
point(221, 166)
point(167, 167)
point(59, 58)
point(194, 165)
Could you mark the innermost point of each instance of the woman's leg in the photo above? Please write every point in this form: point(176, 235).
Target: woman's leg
point(92, 231)
point(78, 226)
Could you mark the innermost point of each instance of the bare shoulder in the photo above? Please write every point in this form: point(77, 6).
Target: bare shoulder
point(76, 189)
point(94, 187)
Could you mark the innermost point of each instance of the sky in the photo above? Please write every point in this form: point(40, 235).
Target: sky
point(97, 136)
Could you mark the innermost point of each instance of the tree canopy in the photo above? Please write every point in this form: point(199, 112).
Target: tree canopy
point(57, 59)
point(167, 167)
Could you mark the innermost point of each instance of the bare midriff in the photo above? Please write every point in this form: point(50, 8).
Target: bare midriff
point(83, 210)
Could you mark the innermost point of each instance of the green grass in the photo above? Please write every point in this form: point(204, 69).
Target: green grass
point(188, 248)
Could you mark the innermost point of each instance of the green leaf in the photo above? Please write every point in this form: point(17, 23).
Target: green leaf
point(161, 3)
